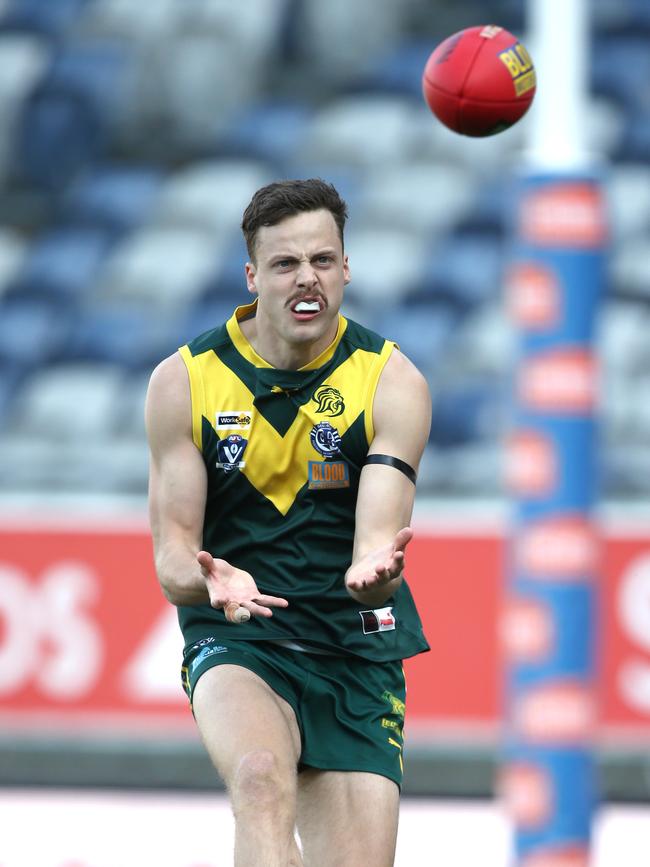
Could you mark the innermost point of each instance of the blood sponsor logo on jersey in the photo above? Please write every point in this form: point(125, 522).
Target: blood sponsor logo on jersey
point(329, 400)
point(530, 464)
point(377, 620)
point(564, 215)
point(328, 474)
point(325, 439)
point(559, 381)
point(527, 630)
point(534, 297)
point(556, 712)
point(230, 452)
point(565, 547)
point(234, 419)
point(571, 855)
point(526, 791)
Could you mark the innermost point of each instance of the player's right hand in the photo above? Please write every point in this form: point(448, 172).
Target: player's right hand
point(227, 584)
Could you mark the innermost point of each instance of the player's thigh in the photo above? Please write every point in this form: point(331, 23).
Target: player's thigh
point(347, 818)
point(237, 713)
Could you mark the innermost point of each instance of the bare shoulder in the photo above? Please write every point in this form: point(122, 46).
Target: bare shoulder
point(402, 409)
point(403, 383)
point(168, 405)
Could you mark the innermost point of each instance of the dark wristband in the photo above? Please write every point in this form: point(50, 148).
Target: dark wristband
point(390, 461)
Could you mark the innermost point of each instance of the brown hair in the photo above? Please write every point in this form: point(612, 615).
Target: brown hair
point(277, 201)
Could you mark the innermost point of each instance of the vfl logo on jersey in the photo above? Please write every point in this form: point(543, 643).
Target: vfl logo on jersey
point(230, 452)
point(236, 418)
point(325, 439)
point(329, 400)
point(328, 474)
point(377, 620)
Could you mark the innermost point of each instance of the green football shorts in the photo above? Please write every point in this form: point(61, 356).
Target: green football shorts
point(350, 711)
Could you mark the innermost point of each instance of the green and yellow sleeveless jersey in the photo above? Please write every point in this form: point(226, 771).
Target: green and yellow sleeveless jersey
point(283, 451)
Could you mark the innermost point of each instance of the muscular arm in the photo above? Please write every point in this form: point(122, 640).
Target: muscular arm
point(177, 485)
point(401, 417)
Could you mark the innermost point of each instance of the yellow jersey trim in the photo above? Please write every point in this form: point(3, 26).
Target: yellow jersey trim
point(197, 395)
point(246, 350)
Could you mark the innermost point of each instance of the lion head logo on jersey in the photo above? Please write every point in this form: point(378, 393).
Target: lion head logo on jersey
point(329, 400)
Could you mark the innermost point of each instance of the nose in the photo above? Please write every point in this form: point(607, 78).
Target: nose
point(305, 275)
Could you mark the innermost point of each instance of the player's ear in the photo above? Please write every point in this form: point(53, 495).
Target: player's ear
point(250, 278)
point(346, 271)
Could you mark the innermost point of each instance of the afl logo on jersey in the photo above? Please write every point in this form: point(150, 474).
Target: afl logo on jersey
point(329, 400)
point(325, 439)
point(230, 452)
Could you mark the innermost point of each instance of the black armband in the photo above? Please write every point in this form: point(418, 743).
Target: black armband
point(390, 461)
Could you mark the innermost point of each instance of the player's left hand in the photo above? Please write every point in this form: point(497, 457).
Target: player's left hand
point(379, 567)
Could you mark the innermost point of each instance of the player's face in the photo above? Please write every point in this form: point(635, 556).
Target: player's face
point(299, 275)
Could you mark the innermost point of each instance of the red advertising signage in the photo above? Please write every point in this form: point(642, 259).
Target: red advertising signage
point(87, 641)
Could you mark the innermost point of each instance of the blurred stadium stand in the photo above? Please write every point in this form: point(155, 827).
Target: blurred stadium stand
point(132, 135)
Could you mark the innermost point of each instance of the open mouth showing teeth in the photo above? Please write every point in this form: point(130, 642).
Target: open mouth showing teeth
point(307, 307)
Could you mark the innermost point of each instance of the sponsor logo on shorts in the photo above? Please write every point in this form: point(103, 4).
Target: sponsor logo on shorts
point(207, 651)
point(328, 474)
point(325, 439)
point(238, 419)
point(377, 620)
point(230, 452)
point(329, 401)
point(397, 705)
point(202, 643)
point(527, 792)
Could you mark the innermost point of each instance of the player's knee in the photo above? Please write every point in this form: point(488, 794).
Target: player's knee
point(261, 784)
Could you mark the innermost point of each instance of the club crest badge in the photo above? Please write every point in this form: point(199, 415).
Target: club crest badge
point(230, 452)
point(329, 400)
point(325, 439)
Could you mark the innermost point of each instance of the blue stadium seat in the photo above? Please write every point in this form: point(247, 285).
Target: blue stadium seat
point(228, 282)
point(113, 197)
point(271, 131)
point(467, 412)
point(64, 262)
point(634, 146)
point(620, 69)
point(72, 112)
point(423, 329)
point(132, 336)
point(33, 330)
point(202, 317)
point(52, 17)
point(399, 71)
point(469, 266)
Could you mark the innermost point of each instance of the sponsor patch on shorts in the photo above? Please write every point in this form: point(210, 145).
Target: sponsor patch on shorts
point(209, 650)
point(377, 620)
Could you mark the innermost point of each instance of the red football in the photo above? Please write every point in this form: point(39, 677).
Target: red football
point(479, 81)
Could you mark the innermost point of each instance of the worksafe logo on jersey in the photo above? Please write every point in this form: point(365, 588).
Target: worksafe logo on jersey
point(560, 381)
point(325, 439)
point(573, 855)
point(561, 548)
point(236, 419)
point(564, 215)
point(329, 400)
point(526, 790)
point(558, 712)
point(377, 620)
point(534, 297)
point(530, 464)
point(527, 630)
point(230, 452)
point(328, 474)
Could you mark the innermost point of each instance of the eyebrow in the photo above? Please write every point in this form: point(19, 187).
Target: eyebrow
point(289, 257)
